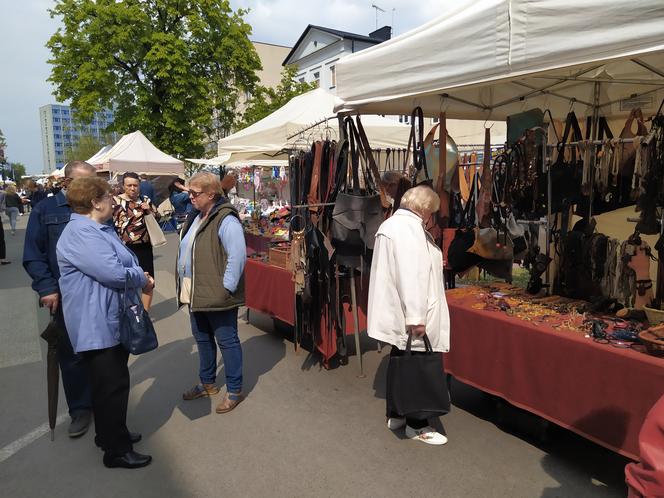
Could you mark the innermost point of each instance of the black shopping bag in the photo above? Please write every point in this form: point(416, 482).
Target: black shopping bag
point(416, 384)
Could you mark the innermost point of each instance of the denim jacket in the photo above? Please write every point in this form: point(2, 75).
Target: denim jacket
point(47, 221)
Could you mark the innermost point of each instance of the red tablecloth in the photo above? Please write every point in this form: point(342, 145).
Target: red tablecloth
point(270, 289)
point(598, 391)
point(256, 243)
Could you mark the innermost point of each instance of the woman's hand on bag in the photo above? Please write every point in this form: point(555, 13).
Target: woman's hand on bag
point(417, 330)
point(146, 207)
point(150, 285)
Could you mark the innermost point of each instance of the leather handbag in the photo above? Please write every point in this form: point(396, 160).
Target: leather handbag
point(416, 383)
point(565, 175)
point(416, 145)
point(358, 211)
point(137, 334)
point(489, 245)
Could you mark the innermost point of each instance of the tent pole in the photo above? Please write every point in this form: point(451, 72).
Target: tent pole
point(594, 136)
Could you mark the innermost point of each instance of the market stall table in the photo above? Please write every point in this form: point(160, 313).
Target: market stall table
point(256, 243)
point(599, 391)
point(270, 290)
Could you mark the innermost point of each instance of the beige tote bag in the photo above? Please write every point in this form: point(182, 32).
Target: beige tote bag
point(157, 237)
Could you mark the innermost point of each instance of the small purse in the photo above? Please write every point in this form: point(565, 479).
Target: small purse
point(137, 334)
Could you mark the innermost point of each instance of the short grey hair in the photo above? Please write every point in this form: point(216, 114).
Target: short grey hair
point(72, 165)
point(420, 198)
point(209, 182)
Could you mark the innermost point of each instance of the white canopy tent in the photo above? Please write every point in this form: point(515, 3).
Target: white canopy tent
point(134, 152)
point(489, 59)
point(266, 139)
point(100, 153)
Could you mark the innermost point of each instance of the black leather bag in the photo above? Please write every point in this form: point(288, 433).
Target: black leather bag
point(137, 334)
point(416, 384)
point(357, 210)
point(416, 146)
point(565, 176)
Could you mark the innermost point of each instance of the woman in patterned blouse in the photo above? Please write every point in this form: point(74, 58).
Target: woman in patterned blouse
point(129, 220)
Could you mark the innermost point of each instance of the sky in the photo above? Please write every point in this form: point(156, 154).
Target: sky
point(27, 26)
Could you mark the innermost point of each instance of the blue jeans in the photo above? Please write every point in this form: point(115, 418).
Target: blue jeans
point(208, 326)
point(12, 212)
point(75, 373)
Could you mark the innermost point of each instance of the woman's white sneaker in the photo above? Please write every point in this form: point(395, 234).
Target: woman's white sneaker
point(395, 423)
point(427, 435)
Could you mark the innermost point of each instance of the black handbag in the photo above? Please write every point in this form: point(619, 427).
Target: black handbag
point(137, 334)
point(416, 384)
point(565, 176)
point(416, 141)
point(358, 211)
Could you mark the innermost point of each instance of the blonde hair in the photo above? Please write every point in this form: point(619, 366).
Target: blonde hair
point(11, 189)
point(420, 198)
point(209, 182)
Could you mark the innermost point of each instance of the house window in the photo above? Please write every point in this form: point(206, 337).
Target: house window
point(333, 76)
point(404, 119)
point(317, 79)
point(301, 80)
point(56, 111)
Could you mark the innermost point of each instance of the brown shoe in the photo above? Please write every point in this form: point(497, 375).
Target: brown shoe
point(200, 391)
point(227, 404)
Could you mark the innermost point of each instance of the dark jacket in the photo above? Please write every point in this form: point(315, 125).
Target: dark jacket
point(13, 201)
point(47, 221)
point(208, 264)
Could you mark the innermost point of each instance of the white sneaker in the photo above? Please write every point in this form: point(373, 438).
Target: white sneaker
point(427, 435)
point(395, 423)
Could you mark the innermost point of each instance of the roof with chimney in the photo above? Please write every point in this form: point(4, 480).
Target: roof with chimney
point(374, 38)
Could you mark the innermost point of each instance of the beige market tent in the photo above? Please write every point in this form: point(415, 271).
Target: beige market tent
point(492, 58)
point(134, 152)
point(267, 138)
point(100, 153)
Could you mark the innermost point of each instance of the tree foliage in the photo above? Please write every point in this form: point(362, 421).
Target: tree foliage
point(86, 147)
point(166, 67)
point(17, 171)
point(264, 100)
point(3, 146)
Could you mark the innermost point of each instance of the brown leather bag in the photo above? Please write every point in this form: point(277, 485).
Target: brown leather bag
point(489, 245)
point(484, 201)
point(628, 151)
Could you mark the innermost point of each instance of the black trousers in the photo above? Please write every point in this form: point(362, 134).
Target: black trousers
point(109, 376)
point(143, 252)
point(3, 247)
point(415, 423)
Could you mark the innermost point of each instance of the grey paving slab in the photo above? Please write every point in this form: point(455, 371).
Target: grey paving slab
point(302, 431)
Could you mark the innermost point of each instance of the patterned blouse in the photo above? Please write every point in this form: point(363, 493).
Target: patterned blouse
point(128, 220)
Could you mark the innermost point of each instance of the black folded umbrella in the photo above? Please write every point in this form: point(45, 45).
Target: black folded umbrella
point(51, 335)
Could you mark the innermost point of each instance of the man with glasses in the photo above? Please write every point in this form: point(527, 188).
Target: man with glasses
point(45, 225)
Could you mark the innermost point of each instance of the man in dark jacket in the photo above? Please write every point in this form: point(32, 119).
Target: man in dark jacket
point(45, 225)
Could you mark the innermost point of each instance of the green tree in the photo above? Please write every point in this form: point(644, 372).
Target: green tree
point(264, 100)
point(17, 171)
point(166, 67)
point(86, 147)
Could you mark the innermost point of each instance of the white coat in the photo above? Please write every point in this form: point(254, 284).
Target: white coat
point(406, 285)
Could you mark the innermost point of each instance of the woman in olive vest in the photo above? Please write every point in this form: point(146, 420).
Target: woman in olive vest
point(210, 280)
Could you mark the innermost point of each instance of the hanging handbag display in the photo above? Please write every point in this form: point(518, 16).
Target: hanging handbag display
point(358, 210)
point(137, 334)
point(416, 146)
point(565, 176)
point(416, 384)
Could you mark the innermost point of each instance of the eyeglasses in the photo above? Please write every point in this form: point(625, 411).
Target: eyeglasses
point(194, 194)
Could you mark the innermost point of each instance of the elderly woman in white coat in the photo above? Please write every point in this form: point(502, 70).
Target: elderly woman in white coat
point(406, 291)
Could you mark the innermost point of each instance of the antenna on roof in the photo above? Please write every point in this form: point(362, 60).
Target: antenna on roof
point(374, 6)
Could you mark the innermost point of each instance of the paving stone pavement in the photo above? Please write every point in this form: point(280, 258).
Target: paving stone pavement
point(302, 431)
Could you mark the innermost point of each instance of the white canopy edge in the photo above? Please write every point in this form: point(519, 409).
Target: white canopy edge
point(494, 58)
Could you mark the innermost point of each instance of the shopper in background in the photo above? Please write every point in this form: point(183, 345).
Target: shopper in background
point(3, 246)
point(12, 205)
point(45, 225)
point(146, 189)
point(210, 280)
point(179, 197)
point(96, 268)
point(406, 293)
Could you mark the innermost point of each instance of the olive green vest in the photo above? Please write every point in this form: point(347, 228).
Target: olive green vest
point(208, 265)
